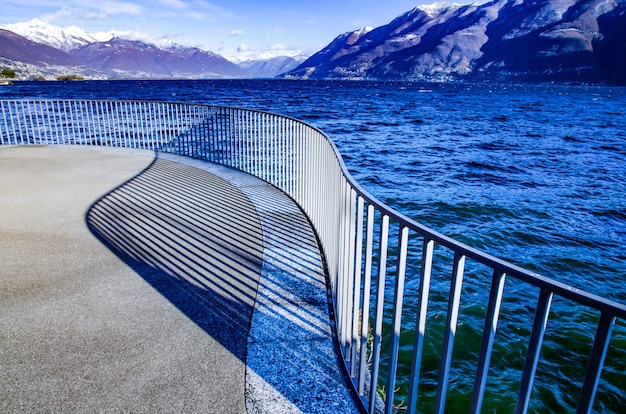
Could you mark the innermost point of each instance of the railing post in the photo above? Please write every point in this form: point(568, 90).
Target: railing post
point(595, 363)
point(380, 305)
point(367, 283)
point(534, 351)
point(396, 325)
point(357, 254)
point(420, 323)
point(489, 333)
point(454, 303)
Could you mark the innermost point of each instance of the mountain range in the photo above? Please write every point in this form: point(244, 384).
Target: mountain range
point(39, 49)
point(519, 40)
point(508, 40)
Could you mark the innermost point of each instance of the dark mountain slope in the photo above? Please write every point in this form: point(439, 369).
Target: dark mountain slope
point(17, 48)
point(538, 40)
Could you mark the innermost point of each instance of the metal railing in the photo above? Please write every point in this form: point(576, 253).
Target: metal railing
point(367, 267)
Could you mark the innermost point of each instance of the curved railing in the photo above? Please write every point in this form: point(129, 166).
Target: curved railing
point(367, 268)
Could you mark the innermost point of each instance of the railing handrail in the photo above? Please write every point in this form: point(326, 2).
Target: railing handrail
point(244, 139)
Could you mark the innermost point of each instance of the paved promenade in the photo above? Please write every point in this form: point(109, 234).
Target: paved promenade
point(131, 282)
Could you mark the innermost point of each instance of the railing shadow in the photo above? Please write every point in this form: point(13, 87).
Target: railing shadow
point(199, 241)
point(204, 254)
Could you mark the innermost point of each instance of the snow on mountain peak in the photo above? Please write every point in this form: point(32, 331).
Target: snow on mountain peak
point(72, 37)
point(437, 8)
point(65, 38)
point(363, 30)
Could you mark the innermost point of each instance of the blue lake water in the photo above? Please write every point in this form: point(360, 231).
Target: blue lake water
point(535, 174)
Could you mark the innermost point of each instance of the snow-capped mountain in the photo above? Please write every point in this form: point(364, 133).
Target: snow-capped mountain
point(538, 40)
point(63, 38)
point(138, 59)
point(270, 68)
point(49, 50)
point(21, 49)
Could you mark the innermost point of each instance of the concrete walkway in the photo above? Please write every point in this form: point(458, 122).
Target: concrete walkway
point(136, 283)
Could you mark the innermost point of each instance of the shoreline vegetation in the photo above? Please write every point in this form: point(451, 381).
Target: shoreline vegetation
point(70, 78)
point(5, 77)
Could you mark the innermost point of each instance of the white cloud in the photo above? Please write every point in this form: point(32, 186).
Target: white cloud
point(276, 32)
point(64, 11)
point(176, 4)
point(109, 9)
point(236, 32)
point(246, 52)
point(278, 47)
point(95, 11)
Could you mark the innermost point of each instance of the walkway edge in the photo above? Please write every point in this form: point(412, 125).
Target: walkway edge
point(287, 370)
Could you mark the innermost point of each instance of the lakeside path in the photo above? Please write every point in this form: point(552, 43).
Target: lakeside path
point(141, 283)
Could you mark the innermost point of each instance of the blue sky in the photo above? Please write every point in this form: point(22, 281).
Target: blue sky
point(236, 29)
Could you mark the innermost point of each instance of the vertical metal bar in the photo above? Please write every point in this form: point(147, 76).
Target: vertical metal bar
point(120, 123)
point(102, 120)
point(352, 311)
point(595, 363)
point(59, 119)
point(270, 148)
point(23, 123)
point(51, 114)
point(256, 147)
point(232, 137)
point(79, 115)
point(246, 140)
point(37, 122)
point(30, 119)
point(101, 123)
point(340, 280)
point(380, 305)
point(534, 350)
point(132, 125)
point(454, 303)
point(356, 274)
point(367, 285)
point(84, 119)
point(290, 158)
point(145, 110)
point(69, 121)
point(94, 130)
point(264, 146)
point(14, 123)
point(345, 279)
point(241, 141)
point(79, 121)
point(5, 133)
point(403, 241)
point(121, 112)
point(213, 138)
point(283, 158)
point(84, 116)
point(89, 127)
point(275, 151)
point(165, 118)
point(304, 154)
point(161, 128)
point(420, 324)
point(5, 136)
point(107, 113)
point(489, 333)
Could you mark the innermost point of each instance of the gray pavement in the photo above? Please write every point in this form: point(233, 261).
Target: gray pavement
point(136, 283)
